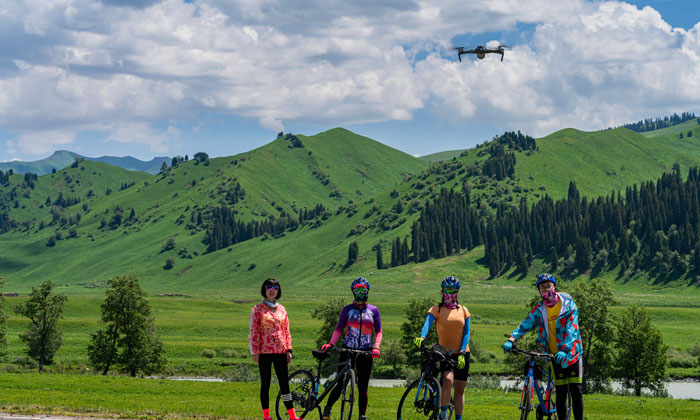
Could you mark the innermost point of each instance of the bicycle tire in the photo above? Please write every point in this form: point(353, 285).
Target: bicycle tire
point(302, 386)
point(348, 395)
point(423, 403)
point(526, 399)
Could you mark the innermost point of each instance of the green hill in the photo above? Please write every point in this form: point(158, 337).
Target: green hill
point(441, 156)
point(334, 169)
point(370, 193)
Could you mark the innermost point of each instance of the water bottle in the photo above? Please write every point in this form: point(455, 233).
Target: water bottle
point(330, 379)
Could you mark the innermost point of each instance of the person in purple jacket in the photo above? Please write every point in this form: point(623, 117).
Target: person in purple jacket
point(361, 320)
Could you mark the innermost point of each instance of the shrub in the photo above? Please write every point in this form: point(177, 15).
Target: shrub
point(209, 353)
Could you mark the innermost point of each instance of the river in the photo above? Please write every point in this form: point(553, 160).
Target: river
point(677, 389)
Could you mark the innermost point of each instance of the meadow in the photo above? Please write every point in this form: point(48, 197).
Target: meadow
point(119, 397)
point(190, 325)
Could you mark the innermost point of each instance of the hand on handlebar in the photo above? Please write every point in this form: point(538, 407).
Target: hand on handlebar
point(418, 341)
point(507, 346)
point(375, 353)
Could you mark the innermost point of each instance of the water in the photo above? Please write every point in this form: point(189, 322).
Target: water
point(678, 390)
point(686, 390)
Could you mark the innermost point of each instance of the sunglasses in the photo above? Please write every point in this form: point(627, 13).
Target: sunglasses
point(272, 287)
point(360, 292)
point(450, 290)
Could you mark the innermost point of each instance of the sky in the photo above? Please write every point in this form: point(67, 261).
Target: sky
point(152, 78)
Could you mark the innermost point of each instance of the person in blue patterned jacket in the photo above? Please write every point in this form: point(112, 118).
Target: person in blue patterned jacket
point(557, 313)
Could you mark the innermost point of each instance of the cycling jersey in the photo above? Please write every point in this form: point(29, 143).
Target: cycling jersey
point(361, 322)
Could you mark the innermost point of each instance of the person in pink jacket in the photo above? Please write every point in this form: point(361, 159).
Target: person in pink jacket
point(271, 344)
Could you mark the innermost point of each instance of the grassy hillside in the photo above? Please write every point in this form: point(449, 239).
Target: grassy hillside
point(442, 156)
point(372, 195)
point(676, 129)
point(334, 169)
point(604, 160)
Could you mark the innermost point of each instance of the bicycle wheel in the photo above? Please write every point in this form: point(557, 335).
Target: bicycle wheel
point(348, 395)
point(421, 400)
point(302, 387)
point(526, 399)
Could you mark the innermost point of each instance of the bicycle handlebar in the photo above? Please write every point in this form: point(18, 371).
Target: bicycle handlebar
point(516, 350)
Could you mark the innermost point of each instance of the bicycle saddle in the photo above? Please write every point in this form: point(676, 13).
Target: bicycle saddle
point(320, 355)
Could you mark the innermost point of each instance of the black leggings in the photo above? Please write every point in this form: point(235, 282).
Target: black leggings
point(363, 369)
point(576, 400)
point(570, 379)
point(265, 363)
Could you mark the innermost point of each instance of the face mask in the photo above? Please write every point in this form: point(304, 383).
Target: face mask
point(550, 297)
point(360, 294)
point(449, 300)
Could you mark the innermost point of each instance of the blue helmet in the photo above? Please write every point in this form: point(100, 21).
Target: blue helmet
point(450, 281)
point(545, 277)
point(359, 280)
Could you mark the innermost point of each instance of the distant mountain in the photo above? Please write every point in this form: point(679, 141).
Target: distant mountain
point(58, 160)
point(132, 164)
point(62, 158)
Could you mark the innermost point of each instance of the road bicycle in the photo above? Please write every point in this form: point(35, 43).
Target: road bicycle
point(423, 397)
point(536, 383)
point(305, 387)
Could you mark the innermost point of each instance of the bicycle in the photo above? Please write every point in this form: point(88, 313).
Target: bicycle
point(305, 388)
point(423, 397)
point(533, 382)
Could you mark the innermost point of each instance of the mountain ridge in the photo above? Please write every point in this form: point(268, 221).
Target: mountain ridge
point(59, 159)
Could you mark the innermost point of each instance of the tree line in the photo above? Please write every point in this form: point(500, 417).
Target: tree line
point(650, 124)
point(224, 230)
point(653, 226)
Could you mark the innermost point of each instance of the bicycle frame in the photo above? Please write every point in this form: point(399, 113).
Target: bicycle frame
point(329, 386)
point(543, 395)
point(347, 367)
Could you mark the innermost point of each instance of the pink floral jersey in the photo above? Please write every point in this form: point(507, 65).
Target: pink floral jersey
point(269, 330)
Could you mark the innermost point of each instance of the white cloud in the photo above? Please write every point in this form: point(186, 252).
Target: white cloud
point(43, 142)
point(98, 66)
point(141, 133)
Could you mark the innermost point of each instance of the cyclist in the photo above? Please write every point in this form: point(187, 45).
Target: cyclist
point(271, 344)
point(556, 320)
point(361, 319)
point(452, 322)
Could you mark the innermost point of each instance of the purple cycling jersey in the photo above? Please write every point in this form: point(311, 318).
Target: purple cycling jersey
point(361, 321)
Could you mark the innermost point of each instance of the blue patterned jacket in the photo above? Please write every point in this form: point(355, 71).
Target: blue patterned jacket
point(567, 334)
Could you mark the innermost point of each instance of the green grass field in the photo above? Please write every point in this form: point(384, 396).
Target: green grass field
point(157, 399)
point(190, 325)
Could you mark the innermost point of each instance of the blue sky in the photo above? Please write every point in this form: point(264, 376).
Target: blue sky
point(169, 77)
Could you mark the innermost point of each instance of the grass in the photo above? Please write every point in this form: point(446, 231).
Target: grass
point(145, 398)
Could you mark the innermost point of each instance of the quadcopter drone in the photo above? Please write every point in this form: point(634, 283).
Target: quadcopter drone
point(480, 51)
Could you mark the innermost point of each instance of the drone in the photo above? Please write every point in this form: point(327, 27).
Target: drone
point(480, 51)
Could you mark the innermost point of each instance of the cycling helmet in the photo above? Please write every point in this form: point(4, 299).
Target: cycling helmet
point(359, 281)
point(450, 281)
point(545, 277)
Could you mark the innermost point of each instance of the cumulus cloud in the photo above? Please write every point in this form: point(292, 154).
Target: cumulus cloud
point(122, 66)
